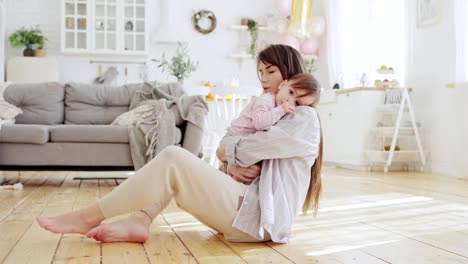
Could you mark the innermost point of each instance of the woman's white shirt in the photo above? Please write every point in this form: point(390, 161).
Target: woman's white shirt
point(287, 151)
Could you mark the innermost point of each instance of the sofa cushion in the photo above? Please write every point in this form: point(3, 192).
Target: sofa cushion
point(27, 134)
point(95, 133)
point(89, 133)
point(95, 104)
point(41, 103)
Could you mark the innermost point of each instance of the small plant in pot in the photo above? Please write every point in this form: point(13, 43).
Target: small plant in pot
point(40, 51)
point(253, 30)
point(27, 38)
point(181, 65)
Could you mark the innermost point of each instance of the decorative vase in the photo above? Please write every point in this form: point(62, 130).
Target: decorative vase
point(40, 53)
point(28, 52)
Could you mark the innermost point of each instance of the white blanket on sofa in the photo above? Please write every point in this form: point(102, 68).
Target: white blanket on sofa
point(7, 110)
point(153, 118)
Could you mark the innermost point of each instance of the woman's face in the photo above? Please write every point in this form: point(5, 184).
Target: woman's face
point(270, 77)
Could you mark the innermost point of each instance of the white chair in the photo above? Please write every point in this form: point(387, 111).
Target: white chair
point(221, 113)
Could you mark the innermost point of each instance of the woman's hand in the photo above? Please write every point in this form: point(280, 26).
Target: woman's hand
point(221, 153)
point(243, 174)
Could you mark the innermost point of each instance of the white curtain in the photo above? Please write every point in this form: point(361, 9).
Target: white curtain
point(460, 20)
point(364, 35)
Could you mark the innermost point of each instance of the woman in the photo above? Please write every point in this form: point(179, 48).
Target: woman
point(207, 193)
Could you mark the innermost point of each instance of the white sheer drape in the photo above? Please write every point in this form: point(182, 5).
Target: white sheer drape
point(461, 40)
point(362, 36)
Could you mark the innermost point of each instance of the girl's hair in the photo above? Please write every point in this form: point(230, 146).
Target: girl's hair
point(287, 59)
point(307, 83)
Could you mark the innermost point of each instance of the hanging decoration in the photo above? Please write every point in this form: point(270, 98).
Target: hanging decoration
point(201, 16)
point(290, 41)
point(297, 27)
point(309, 46)
point(317, 26)
point(301, 15)
point(283, 7)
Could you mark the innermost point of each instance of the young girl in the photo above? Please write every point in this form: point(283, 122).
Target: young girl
point(265, 110)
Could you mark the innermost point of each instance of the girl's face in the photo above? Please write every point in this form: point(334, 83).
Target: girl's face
point(295, 96)
point(270, 77)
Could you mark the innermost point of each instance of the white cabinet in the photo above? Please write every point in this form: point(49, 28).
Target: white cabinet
point(33, 69)
point(347, 120)
point(105, 26)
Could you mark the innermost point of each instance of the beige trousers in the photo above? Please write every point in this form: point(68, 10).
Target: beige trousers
point(203, 191)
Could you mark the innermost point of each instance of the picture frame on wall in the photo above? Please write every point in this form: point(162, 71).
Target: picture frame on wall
point(429, 12)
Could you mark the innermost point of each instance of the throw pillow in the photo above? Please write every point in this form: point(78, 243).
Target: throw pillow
point(138, 114)
point(8, 111)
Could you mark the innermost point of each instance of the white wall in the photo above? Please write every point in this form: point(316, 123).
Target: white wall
point(2, 40)
point(210, 50)
point(441, 110)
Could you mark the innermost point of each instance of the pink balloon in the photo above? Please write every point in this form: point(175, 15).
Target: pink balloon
point(282, 26)
point(317, 26)
point(310, 46)
point(290, 41)
point(283, 7)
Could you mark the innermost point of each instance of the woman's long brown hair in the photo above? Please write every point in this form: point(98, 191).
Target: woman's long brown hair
point(291, 65)
point(288, 60)
point(307, 83)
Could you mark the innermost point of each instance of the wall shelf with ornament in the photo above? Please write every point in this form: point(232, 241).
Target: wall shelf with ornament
point(245, 28)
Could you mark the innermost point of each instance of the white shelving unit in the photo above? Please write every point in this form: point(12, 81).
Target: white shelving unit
point(245, 28)
point(241, 56)
point(105, 27)
point(243, 31)
point(413, 151)
point(347, 117)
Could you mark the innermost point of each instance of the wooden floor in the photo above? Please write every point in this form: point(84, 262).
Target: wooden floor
point(364, 218)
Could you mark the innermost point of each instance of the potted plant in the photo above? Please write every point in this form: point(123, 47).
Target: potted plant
point(180, 65)
point(253, 30)
point(309, 63)
point(40, 51)
point(27, 38)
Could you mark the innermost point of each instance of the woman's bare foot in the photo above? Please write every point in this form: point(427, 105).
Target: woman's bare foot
point(135, 228)
point(79, 222)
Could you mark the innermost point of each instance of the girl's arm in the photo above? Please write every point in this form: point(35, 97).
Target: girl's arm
point(264, 116)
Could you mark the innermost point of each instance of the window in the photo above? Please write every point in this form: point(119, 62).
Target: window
point(364, 35)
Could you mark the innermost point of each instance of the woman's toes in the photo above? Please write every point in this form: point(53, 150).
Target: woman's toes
point(93, 232)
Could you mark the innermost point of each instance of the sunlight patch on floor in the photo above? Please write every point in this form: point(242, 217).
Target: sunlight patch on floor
point(346, 248)
point(375, 204)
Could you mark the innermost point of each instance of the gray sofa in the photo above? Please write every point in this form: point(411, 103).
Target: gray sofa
point(69, 125)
